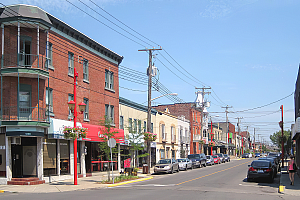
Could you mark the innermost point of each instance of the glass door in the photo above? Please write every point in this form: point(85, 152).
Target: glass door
point(25, 52)
point(24, 104)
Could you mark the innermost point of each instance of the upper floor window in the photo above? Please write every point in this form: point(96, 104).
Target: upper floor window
point(109, 113)
point(173, 136)
point(49, 55)
point(121, 122)
point(71, 63)
point(139, 126)
point(109, 80)
point(49, 99)
point(86, 111)
point(130, 125)
point(163, 134)
point(135, 125)
point(145, 126)
point(85, 70)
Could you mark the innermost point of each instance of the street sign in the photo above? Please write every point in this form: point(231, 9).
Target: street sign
point(111, 142)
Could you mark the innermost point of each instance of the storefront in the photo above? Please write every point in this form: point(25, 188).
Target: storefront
point(95, 159)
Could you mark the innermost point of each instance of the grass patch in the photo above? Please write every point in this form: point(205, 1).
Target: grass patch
point(120, 178)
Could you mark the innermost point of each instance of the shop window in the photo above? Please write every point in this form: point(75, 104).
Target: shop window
point(49, 157)
point(64, 157)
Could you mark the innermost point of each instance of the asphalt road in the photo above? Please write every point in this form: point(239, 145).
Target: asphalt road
point(224, 181)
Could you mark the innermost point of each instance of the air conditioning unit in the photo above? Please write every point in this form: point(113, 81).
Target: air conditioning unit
point(16, 140)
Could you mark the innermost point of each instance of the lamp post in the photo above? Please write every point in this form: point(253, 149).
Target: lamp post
point(149, 128)
point(72, 107)
point(281, 126)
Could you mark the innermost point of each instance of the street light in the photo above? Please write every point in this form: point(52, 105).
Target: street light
point(72, 107)
point(149, 127)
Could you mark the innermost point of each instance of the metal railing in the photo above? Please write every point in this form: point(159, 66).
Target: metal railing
point(25, 60)
point(15, 113)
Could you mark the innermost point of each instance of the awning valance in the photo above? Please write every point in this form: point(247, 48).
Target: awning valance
point(95, 133)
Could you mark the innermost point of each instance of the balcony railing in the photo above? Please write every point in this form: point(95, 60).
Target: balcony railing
point(25, 61)
point(24, 114)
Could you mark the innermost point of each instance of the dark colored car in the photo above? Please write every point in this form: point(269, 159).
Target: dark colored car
point(257, 155)
point(222, 158)
point(260, 169)
point(275, 165)
point(227, 158)
point(198, 160)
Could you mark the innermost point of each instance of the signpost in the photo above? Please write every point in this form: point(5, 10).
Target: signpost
point(111, 143)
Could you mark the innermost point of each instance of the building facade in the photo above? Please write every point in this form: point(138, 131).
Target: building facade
point(40, 56)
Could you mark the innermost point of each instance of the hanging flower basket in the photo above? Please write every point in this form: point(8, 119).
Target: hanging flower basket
point(202, 142)
point(149, 136)
point(75, 132)
point(211, 144)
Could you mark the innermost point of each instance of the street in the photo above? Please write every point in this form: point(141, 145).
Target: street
point(224, 181)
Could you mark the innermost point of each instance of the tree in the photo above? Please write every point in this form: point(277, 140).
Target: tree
point(276, 139)
point(107, 133)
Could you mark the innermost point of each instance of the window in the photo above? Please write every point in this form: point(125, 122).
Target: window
point(109, 80)
point(151, 127)
point(162, 153)
point(163, 132)
point(109, 113)
point(71, 64)
point(85, 70)
point(145, 126)
point(70, 97)
point(49, 156)
point(135, 125)
point(173, 134)
point(140, 126)
point(121, 122)
point(49, 55)
point(49, 99)
point(86, 111)
point(130, 125)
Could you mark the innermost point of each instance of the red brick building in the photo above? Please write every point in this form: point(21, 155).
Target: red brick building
point(191, 113)
point(39, 55)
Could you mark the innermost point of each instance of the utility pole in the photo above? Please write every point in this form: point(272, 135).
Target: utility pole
point(281, 126)
point(227, 129)
point(149, 73)
point(254, 147)
point(202, 92)
point(239, 131)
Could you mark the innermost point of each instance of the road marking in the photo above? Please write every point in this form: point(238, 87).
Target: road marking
point(212, 173)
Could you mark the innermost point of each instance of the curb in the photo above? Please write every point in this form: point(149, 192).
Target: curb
point(127, 182)
point(2, 191)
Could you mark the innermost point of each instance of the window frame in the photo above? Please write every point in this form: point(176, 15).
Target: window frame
point(85, 66)
point(86, 110)
point(109, 80)
point(110, 113)
point(70, 64)
point(70, 97)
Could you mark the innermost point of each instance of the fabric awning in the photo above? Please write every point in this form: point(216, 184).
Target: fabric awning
point(95, 133)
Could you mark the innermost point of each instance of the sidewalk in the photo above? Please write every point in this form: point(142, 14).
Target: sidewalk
point(68, 185)
point(285, 182)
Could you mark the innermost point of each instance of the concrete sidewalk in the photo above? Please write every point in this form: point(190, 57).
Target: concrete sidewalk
point(93, 182)
point(286, 183)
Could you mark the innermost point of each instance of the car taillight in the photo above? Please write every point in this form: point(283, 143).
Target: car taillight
point(251, 169)
point(268, 170)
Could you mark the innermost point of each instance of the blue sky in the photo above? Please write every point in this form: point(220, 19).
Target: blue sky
point(247, 50)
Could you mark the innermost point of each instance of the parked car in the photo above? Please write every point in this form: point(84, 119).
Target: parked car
point(166, 165)
point(185, 163)
point(276, 155)
point(275, 165)
point(260, 169)
point(222, 158)
point(217, 159)
point(210, 160)
point(257, 155)
point(227, 158)
point(245, 155)
point(198, 160)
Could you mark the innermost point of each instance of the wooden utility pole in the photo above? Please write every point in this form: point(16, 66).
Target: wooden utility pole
point(149, 73)
point(227, 128)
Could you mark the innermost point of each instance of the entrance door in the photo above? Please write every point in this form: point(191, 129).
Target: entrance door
point(29, 160)
point(25, 52)
point(16, 157)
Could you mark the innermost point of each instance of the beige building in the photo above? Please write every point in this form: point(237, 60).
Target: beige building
point(166, 127)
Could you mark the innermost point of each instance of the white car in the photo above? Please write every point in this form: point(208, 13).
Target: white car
point(250, 155)
point(185, 163)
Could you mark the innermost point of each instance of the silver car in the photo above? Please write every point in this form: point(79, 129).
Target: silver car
point(166, 165)
point(210, 160)
point(185, 163)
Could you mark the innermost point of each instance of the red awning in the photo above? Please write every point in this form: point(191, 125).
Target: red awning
point(95, 133)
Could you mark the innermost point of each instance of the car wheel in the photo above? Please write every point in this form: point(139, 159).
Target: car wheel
point(171, 172)
point(177, 169)
point(204, 165)
point(186, 168)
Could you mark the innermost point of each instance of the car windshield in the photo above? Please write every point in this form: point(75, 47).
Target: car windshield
point(193, 156)
point(165, 161)
point(220, 155)
point(260, 164)
point(225, 155)
point(273, 154)
point(181, 160)
point(215, 156)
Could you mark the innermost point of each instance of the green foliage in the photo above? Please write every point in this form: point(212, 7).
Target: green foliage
point(277, 138)
point(74, 132)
